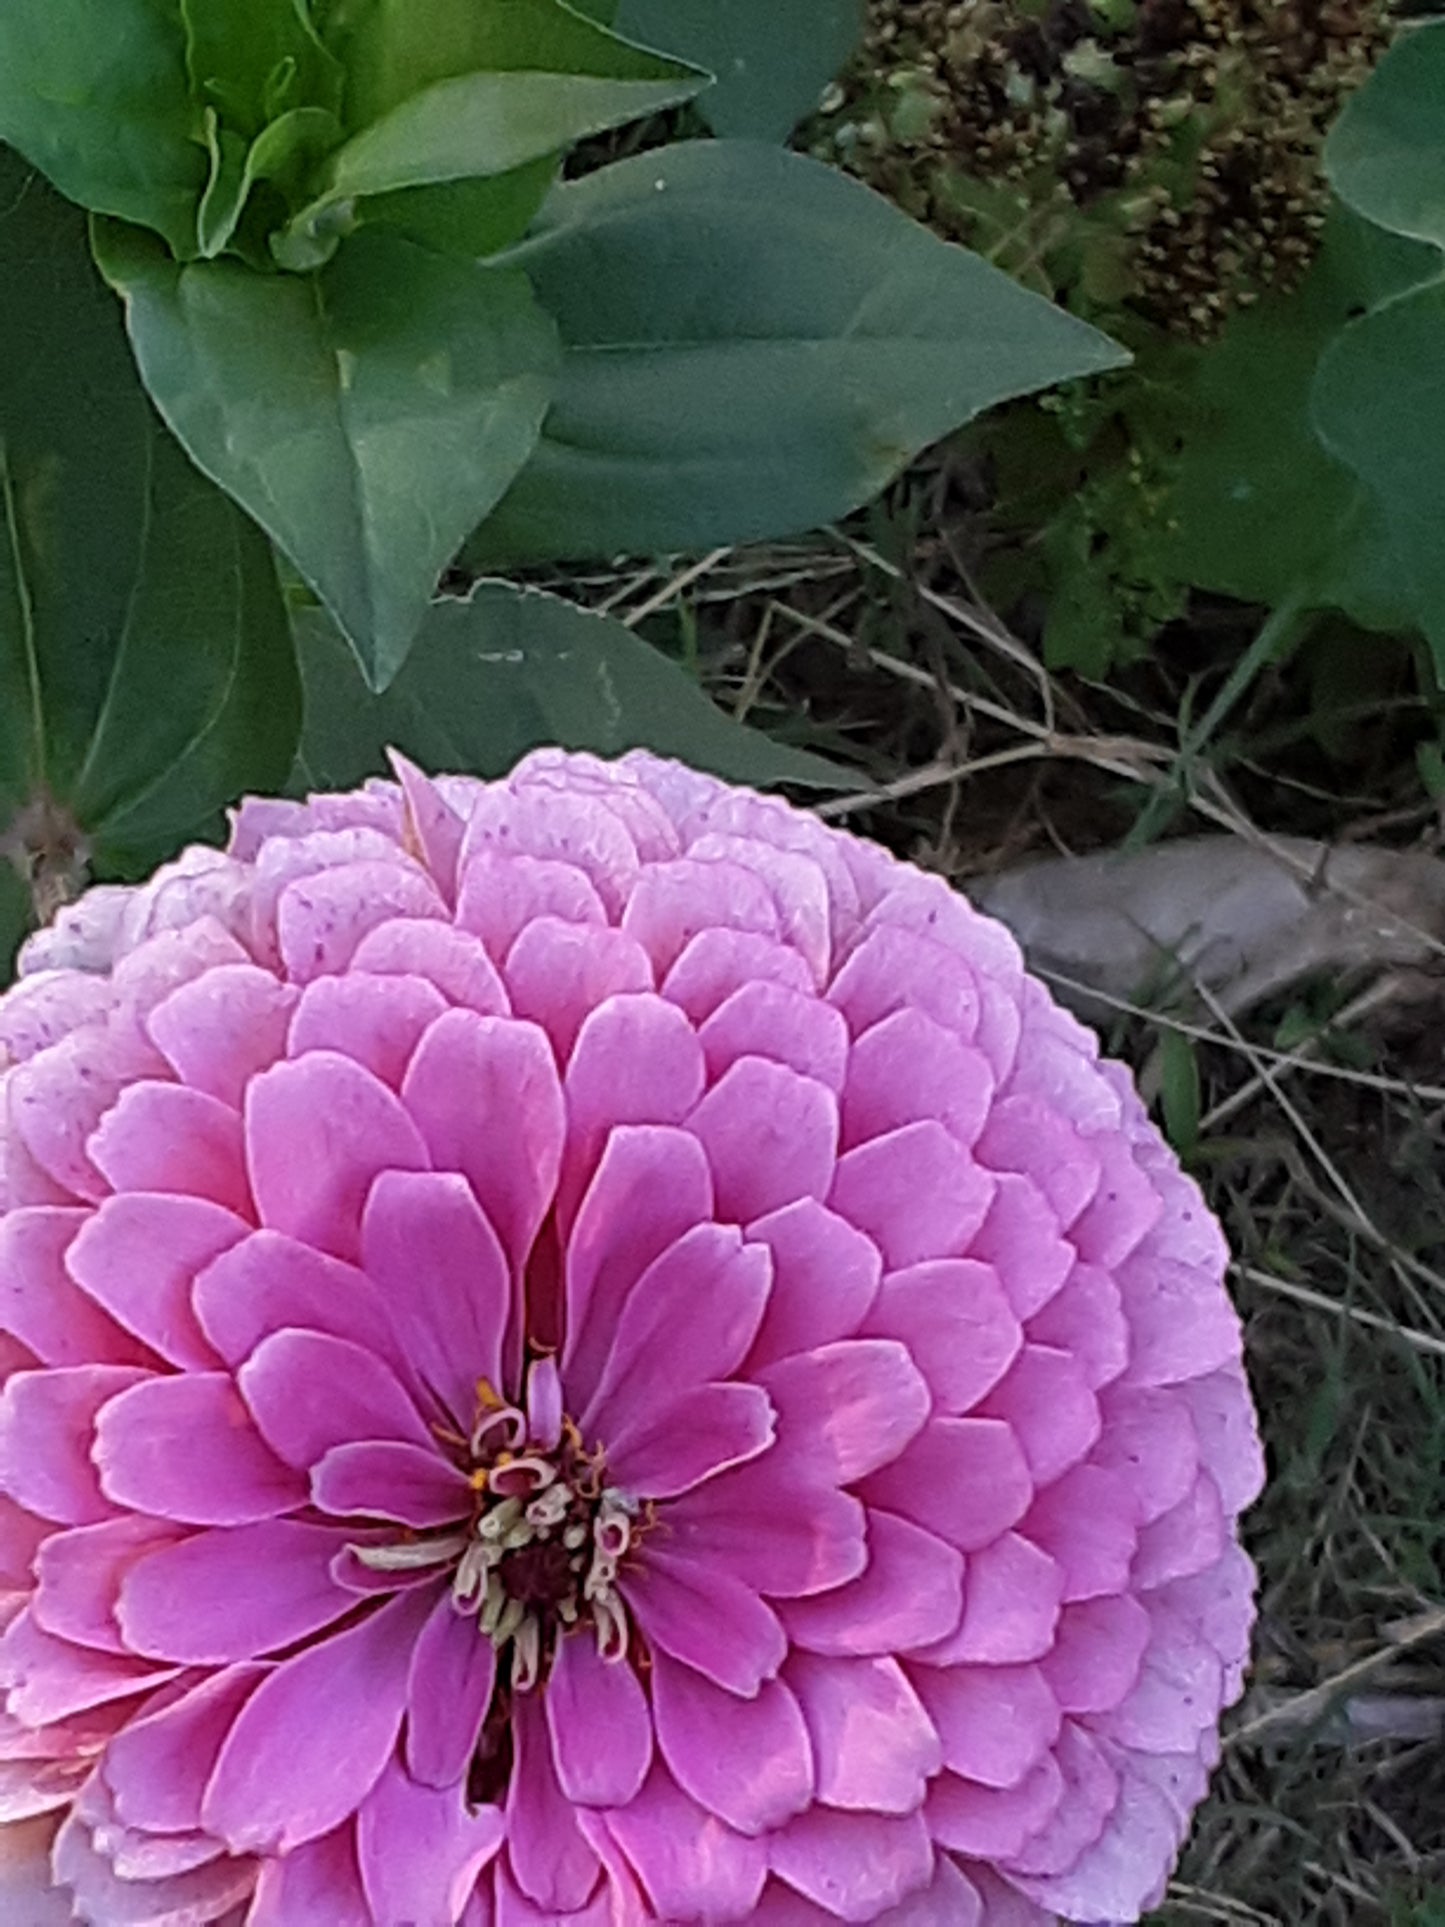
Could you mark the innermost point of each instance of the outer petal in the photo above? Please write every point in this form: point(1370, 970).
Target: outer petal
point(874, 1744)
point(692, 1865)
point(421, 1849)
point(854, 1864)
point(599, 1722)
point(185, 1448)
point(748, 1761)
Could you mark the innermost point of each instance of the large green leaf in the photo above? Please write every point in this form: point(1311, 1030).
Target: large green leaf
point(771, 60)
point(258, 59)
point(1379, 404)
point(93, 93)
point(1386, 153)
point(366, 415)
point(510, 669)
point(146, 668)
point(394, 49)
point(1259, 508)
point(755, 344)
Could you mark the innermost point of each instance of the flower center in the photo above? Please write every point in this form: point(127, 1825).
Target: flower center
point(547, 1533)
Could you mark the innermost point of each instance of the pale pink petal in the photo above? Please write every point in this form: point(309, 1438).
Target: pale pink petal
point(1185, 1540)
point(996, 1722)
point(267, 1283)
point(233, 1593)
point(139, 1257)
point(185, 1448)
point(321, 918)
point(1021, 1241)
point(770, 1135)
point(1027, 1138)
point(1097, 1654)
point(908, 1068)
point(1046, 1402)
point(376, 1020)
point(557, 973)
point(499, 897)
point(955, 1319)
point(55, 1101)
point(916, 1192)
point(1086, 1522)
point(1219, 1405)
point(893, 969)
point(1149, 1439)
point(40, 1009)
point(599, 1723)
point(158, 1764)
point(1086, 1319)
point(1091, 1794)
point(1121, 1213)
point(992, 1823)
point(1177, 1331)
point(672, 902)
point(317, 1885)
point(772, 1020)
point(165, 1138)
point(825, 1277)
point(50, 1679)
point(636, 1061)
point(749, 1761)
point(39, 1301)
point(716, 963)
point(558, 824)
point(206, 1893)
point(313, 1739)
point(308, 1392)
point(798, 885)
point(1013, 1592)
point(448, 958)
point(318, 1131)
point(693, 1866)
point(47, 1426)
point(854, 1864)
point(218, 1031)
point(78, 1576)
point(909, 1595)
point(875, 1747)
point(431, 828)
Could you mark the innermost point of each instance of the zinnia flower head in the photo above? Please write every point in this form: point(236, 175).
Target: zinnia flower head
point(586, 1348)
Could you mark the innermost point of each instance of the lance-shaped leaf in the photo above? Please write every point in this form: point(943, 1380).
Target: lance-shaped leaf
point(258, 59)
point(771, 61)
point(94, 94)
point(1386, 153)
point(366, 415)
point(508, 670)
point(460, 93)
point(754, 344)
point(146, 669)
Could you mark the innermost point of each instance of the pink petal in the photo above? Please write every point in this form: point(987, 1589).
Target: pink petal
point(992, 1823)
point(909, 1594)
point(996, 1722)
point(1223, 1416)
point(1085, 1521)
point(688, 1320)
point(21, 1537)
point(846, 1409)
point(139, 1257)
point(469, 1076)
point(908, 1068)
point(1021, 1241)
point(749, 1761)
point(798, 884)
point(499, 896)
point(157, 1766)
point(1149, 1439)
point(165, 1138)
point(717, 963)
point(322, 918)
point(421, 1849)
point(318, 1131)
point(47, 1424)
point(1011, 1601)
point(427, 1246)
point(318, 1885)
point(559, 824)
point(780, 1534)
point(39, 1302)
point(233, 1593)
point(1123, 1210)
point(894, 969)
point(652, 1186)
point(49, 1679)
point(874, 1744)
point(1181, 1323)
point(770, 1137)
point(450, 959)
point(672, 902)
point(706, 1618)
point(636, 1061)
point(552, 1862)
point(78, 1577)
point(785, 1025)
point(449, 1688)
point(600, 1724)
point(57, 1099)
point(825, 1277)
point(27, 1888)
point(206, 1893)
point(954, 1318)
point(672, 1447)
point(1097, 1654)
point(557, 973)
point(218, 1031)
point(962, 1478)
point(1086, 1319)
point(1028, 1138)
point(314, 1737)
point(185, 1449)
point(267, 1283)
point(308, 1392)
point(43, 1007)
point(1188, 1539)
point(856, 1865)
point(1091, 1795)
point(1047, 1403)
point(432, 828)
point(391, 1479)
point(692, 1865)
point(1124, 1871)
point(377, 1021)
point(1177, 1695)
point(917, 1193)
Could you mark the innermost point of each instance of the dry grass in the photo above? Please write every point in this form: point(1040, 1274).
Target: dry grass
point(1316, 1128)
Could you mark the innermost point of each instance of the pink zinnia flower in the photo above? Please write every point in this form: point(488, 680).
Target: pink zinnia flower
point(587, 1348)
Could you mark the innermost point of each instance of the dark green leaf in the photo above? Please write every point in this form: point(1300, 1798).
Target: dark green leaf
point(96, 98)
point(15, 917)
point(258, 59)
point(755, 344)
point(1379, 405)
point(366, 415)
point(146, 670)
point(1386, 153)
point(510, 669)
point(772, 61)
point(476, 218)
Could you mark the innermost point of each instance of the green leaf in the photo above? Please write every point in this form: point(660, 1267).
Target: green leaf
point(771, 61)
point(95, 96)
point(510, 669)
point(1379, 405)
point(755, 344)
point(281, 152)
point(394, 49)
point(258, 59)
point(146, 668)
point(1259, 506)
point(474, 218)
point(366, 415)
point(1386, 153)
